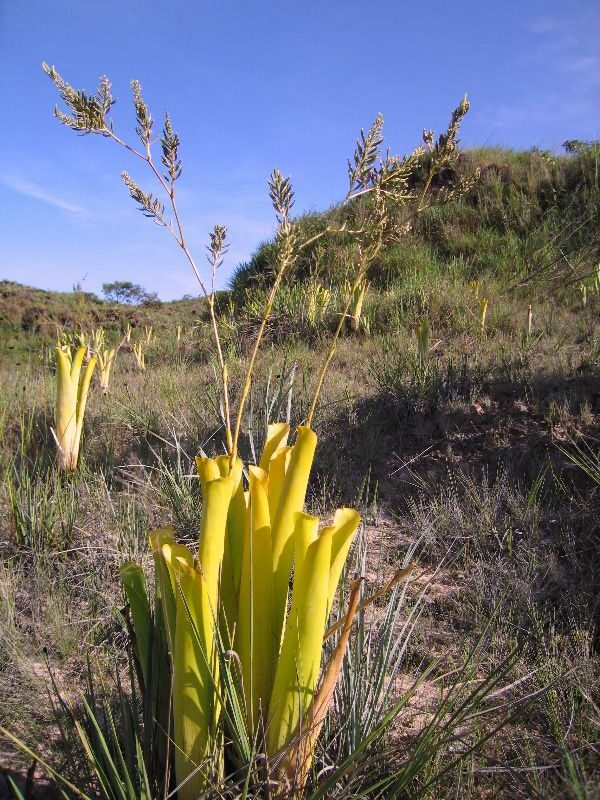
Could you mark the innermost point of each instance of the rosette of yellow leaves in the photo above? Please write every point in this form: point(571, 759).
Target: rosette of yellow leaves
point(72, 386)
point(261, 587)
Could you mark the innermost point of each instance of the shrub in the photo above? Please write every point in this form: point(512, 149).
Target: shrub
point(128, 292)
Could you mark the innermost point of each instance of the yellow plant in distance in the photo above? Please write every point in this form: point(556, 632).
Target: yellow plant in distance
point(72, 386)
point(137, 348)
point(148, 335)
point(105, 361)
point(358, 298)
point(422, 334)
point(483, 309)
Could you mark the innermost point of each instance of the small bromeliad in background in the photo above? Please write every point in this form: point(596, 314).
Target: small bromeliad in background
point(75, 366)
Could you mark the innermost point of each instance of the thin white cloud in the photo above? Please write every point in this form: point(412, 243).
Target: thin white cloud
point(586, 68)
point(558, 97)
point(28, 188)
point(546, 25)
point(572, 39)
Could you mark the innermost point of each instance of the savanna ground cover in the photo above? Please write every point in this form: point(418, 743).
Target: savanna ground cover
point(460, 416)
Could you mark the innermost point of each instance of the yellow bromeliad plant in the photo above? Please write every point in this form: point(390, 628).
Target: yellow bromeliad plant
point(483, 309)
point(149, 336)
point(105, 357)
point(261, 585)
point(74, 369)
point(230, 652)
point(422, 333)
point(318, 300)
point(137, 348)
point(358, 299)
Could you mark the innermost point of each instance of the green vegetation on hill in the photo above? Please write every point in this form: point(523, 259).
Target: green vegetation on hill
point(527, 211)
point(532, 220)
point(30, 319)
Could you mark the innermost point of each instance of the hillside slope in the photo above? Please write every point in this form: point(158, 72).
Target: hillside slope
point(30, 318)
point(530, 218)
point(526, 212)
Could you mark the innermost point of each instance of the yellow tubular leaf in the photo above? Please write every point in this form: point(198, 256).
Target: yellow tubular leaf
point(236, 523)
point(277, 468)
point(216, 496)
point(158, 539)
point(84, 384)
point(170, 552)
point(299, 663)
point(195, 674)
point(82, 394)
point(291, 501)
point(345, 524)
point(295, 765)
point(234, 545)
point(161, 536)
point(134, 584)
point(277, 434)
point(306, 531)
point(63, 365)
point(66, 408)
point(208, 469)
point(254, 638)
point(105, 362)
point(223, 463)
point(163, 587)
point(76, 364)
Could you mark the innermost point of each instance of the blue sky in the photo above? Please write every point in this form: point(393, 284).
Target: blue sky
point(252, 86)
